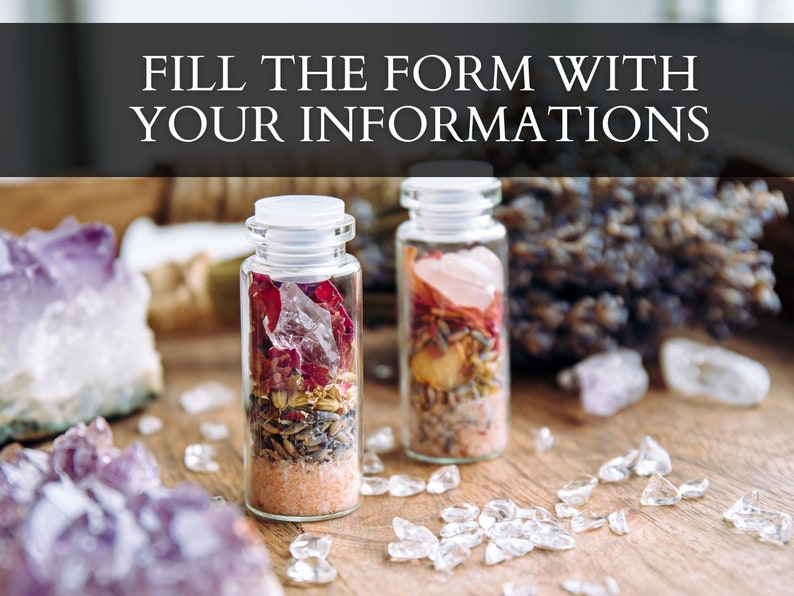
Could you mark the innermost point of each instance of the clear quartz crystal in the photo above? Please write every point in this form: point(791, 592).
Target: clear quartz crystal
point(497, 510)
point(449, 555)
point(148, 424)
point(515, 547)
point(467, 539)
point(549, 535)
point(460, 512)
point(578, 492)
point(371, 463)
point(586, 521)
point(526, 512)
point(381, 441)
point(618, 523)
point(199, 458)
point(455, 528)
point(692, 489)
point(618, 468)
point(494, 554)
point(403, 485)
point(544, 440)
point(519, 589)
point(214, 431)
point(564, 511)
point(607, 382)
point(507, 529)
point(652, 459)
point(373, 485)
point(206, 396)
point(660, 491)
point(767, 526)
point(692, 368)
point(444, 479)
point(407, 530)
point(408, 550)
point(311, 545)
point(312, 571)
point(611, 584)
point(747, 501)
point(578, 586)
point(545, 515)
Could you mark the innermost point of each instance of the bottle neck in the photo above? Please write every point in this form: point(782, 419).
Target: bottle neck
point(294, 258)
point(451, 221)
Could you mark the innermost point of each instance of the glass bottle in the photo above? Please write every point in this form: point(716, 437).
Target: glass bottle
point(454, 363)
point(301, 338)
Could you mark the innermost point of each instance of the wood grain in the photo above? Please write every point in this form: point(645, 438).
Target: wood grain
point(686, 549)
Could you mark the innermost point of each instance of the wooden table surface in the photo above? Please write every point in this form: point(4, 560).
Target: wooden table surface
point(684, 549)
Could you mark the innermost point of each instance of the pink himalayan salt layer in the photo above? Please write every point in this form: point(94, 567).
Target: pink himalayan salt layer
point(461, 431)
point(301, 489)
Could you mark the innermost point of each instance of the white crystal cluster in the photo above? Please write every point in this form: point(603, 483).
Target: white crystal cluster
point(766, 525)
point(75, 342)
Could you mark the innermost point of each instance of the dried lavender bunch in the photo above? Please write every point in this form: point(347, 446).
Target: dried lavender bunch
point(602, 262)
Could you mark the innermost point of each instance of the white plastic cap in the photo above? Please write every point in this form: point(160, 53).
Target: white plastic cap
point(299, 211)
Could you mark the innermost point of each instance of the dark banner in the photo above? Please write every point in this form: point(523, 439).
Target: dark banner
point(373, 99)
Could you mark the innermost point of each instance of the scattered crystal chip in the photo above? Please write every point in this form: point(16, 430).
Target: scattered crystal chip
point(312, 571)
point(460, 512)
point(549, 535)
point(564, 510)
point(408, 550)
point(506, 529)
point(696, 369)
point(515, 547)
point(148, 424)
point(517, 589)
point(306, 546)
point(455, 528)
point(214, 431)
point(578, 492)
point(206, 396)
point(692, 489)
point(767, 526)
point(660, 491)
point(618, 468)
point(494, 554)
point(577, 586)
point(747, 501)
point(381, 441)
point(407, 530)
point(403, 485)
point(371, 463)
point(373, 485)
point(444, 479)
point(586, 521)
point(611, 584)
point(467, 539)
point(199, 458)
point(618, 523)
point(544, 439)
point(653, 459)
point(449, 555)
point(497, 510)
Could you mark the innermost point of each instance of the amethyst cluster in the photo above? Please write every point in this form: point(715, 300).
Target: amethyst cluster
point(90, 518)
point(74, 341)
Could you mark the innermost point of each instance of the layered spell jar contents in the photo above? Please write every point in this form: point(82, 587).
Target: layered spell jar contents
point(458, 384)
point(302, 409)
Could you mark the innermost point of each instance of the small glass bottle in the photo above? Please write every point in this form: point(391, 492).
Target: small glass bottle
point(454, 364)
point(301, 338)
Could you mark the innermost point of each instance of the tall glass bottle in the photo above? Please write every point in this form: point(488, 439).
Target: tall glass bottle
point(301, 338)
point(454, 364)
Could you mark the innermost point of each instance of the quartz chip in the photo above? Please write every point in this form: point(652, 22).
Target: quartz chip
point(449, 555)
point(311, 545)
point(455, 528)
point(696, 369)
point(577, 586)
point(494, 554)
point(692, 489)
point(373, 485)
point(578, 491)
point(515, 547)
point(660, 491)
point(607, 382)
point(652, 459)
point(611, 584)
point(618, 468)
point(564, 511)
point(548, 535)
point(312, 571)
point(206, 396)
point(525, 512)
point(497, 510)
point(544, 440)
point(371, 463)
point(407, 530)
point(517, 589)
point(199, 458)
point(618, 523)
point(214, 431)
point(408, 550)
point(460, 512)
point(403, 485)
point(148, 424)
point(586, 521)
point(381, 441)
point(506, 529)
point(467, 539)
point(444, 479)
point(747, 501)
point(767, 526)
